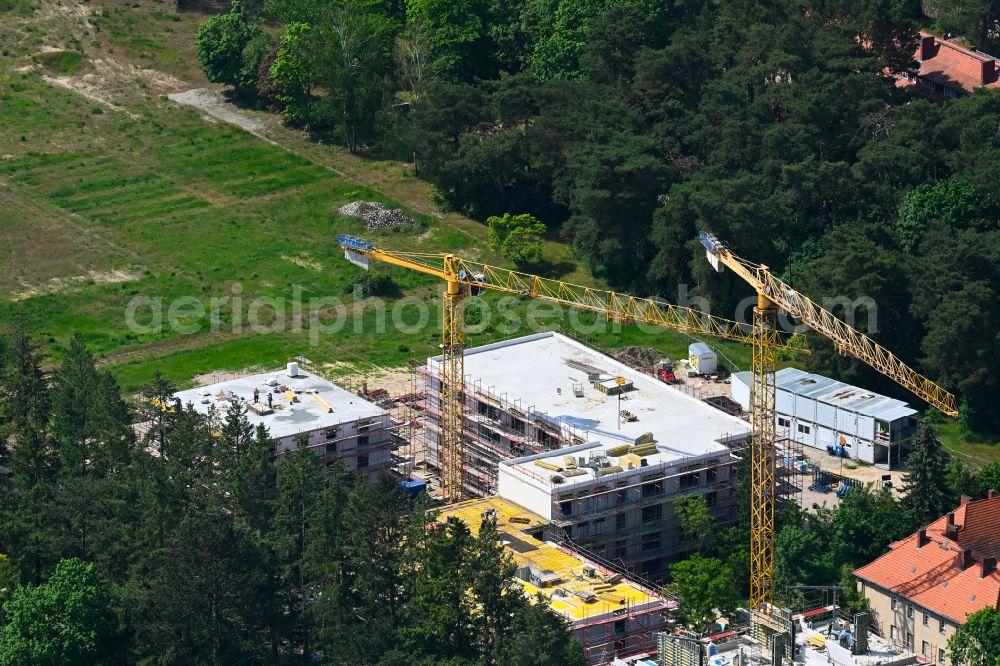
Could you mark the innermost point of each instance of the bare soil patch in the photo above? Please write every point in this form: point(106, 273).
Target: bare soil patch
point(213, 105)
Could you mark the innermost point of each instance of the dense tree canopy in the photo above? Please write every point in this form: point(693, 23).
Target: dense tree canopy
point(193, 544)
point(628, 125)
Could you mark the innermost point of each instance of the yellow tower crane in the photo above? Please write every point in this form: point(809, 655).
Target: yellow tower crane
point(773, 294)
point(465, 278)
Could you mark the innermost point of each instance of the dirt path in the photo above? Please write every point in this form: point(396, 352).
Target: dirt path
point(393, 179)
point(213, 105)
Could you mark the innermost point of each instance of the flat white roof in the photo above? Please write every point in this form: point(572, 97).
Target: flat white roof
point(301, 416)
point(535, 370)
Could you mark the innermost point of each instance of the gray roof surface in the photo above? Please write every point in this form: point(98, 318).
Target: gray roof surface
point(844, 396)
point(303, 415)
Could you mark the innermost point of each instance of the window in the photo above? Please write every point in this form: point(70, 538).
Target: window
point(652, 513)
point(894, 604)
point(927, 619)
point(566, 508)
point(711, 499)
point(652, 489)
point(941, 626)
point(331, 449)
point(927, 83)
point(892, 633)
point(804, 429)
point(620, 626)
point(784, 423)
point(518, 425)
point(950, 92)
point(942, 659)
point(711, 474)
point(621, 521)
point(362, 440)
point(690, 480)
point(909, 640)
point(650, 541)
point(909, 611)
point(924, 648)
point(362, 462)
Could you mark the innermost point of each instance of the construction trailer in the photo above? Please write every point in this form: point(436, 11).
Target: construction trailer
point(612, 614)
point(829, 415)
point(544, 394)
point(296, 407)
point(702, 358)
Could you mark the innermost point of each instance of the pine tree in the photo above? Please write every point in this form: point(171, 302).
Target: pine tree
point(26, 396)
point(236, 431)
point(497, 594)
point(254, 479)
point(156, 408)
point(109, 425)
point(300, 481)
point(925, 486)
point(438, 622)
point(73, 387)
point(4, 409)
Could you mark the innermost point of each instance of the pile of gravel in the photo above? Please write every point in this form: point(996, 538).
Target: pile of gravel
point(376, 215)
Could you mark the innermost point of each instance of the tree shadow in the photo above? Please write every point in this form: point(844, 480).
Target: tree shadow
point(547, 268)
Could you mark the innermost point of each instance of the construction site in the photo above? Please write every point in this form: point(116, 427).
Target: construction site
point(578, 458)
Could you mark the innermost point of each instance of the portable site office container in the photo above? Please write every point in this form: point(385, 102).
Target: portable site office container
point(702, 358)
point(821, 412)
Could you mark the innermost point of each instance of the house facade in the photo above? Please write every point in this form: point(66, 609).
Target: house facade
point(926, 586)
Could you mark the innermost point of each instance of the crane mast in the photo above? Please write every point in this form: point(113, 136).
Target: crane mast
point(772, 295)
point(466, 278)
point(452, 390)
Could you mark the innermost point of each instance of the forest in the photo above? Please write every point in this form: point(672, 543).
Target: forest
point(185, 541)
point(626, 126)
point(188, 543)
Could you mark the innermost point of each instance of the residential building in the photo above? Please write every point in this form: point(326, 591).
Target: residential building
point(533, 400)
point(948, 70)
point(611, 614)
point(926, 586)
point(825, 414)
point(616, 501)
point(297, 407)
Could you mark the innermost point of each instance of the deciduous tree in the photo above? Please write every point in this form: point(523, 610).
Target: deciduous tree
point(68, 620)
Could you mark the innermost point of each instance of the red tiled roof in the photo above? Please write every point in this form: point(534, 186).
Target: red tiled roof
point(981, 527)
point(951, 65)
point(932, 575)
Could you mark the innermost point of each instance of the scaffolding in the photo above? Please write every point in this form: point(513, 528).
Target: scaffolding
point(487, 440)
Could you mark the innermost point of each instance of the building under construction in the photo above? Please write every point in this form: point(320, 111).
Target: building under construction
point(611, 614)
point(598, 448)
point(301, 408)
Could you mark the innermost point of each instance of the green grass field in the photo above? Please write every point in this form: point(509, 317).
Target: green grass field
point(171, 206)
point(101, 206)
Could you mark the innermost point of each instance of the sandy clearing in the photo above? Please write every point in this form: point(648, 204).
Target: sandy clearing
point(303, 260)
point(81, 87)
point(215, 106)
point(63, 283)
